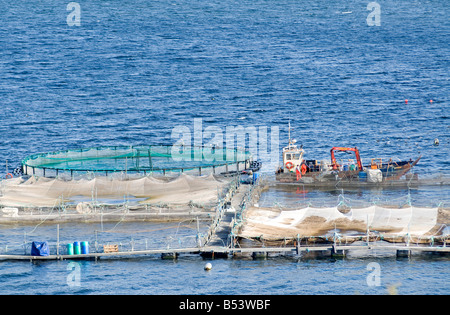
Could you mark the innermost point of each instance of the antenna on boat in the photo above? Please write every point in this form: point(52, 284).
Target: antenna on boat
point(289, 131)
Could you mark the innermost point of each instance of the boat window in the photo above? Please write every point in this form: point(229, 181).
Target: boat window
point(296, 156)
point(288, 156)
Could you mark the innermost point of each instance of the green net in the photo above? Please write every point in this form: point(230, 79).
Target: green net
point(138, 159)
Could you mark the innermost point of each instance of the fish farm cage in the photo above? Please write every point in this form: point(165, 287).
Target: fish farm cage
point(145, 160)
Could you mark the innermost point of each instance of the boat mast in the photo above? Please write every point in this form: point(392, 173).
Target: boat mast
point(290, 142)
point(289, 131)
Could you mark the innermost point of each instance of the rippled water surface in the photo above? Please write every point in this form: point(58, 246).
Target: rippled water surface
point(134, 70)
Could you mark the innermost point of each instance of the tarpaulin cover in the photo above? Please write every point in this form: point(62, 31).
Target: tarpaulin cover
point(39, 249)
point(275, 223)
point(47, 192)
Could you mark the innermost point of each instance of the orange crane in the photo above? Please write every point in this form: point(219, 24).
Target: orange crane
point(333, 159)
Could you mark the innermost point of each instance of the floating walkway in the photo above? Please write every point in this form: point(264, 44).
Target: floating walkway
point(220, 240)
point(255, 252)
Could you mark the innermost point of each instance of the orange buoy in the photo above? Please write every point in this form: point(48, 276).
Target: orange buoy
point(406, 101)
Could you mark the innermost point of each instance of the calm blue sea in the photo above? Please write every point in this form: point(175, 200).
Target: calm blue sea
point(132, 71)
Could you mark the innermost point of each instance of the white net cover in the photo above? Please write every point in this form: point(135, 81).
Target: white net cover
point(46, 192)
point(272, 223)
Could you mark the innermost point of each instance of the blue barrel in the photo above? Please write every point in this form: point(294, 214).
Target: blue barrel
point(345, 168)
point(362, 176)
point(255, 177)
point(70, 249)
point(76, 248)
point(85, 247)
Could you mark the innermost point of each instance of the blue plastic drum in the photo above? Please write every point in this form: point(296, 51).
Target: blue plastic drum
point(85, 247)
point(76, 248)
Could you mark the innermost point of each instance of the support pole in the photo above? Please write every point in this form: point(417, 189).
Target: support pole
point(367, 229)
point(150, 158)
point(57, 240)
point(403, 253)
point(199, 242)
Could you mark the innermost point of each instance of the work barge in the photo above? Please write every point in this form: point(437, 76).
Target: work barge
point(222, 240)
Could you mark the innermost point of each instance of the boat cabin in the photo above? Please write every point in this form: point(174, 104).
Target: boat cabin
point(292, 157)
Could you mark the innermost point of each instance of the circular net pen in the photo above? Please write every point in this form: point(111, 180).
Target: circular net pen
point(144, 160)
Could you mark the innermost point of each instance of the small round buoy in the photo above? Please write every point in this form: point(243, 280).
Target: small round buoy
point(436, 142)
point(406, 101)
point(431, 101)
point(208, 266)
